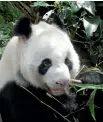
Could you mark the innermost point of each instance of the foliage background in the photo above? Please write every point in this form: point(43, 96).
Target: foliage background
point(82, 20)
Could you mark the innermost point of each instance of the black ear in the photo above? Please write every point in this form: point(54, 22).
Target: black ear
point(23, 27)
point(51, 17)
point(58, 21)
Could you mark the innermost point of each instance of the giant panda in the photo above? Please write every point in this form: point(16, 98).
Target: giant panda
point(35, 69)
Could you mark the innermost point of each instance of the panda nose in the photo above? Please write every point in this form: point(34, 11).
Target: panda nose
point(62, 83)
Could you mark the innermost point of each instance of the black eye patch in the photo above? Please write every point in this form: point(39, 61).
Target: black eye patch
point(68, 63)
point(44, 66)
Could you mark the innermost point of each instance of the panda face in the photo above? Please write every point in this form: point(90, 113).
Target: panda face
point(47, 58)
point(58, 86)
point(48, 62)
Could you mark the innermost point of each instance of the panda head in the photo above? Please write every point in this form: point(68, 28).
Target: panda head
point(47, 57)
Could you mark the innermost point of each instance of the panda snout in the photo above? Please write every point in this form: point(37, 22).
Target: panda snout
point(58, 87)
point(62, 83)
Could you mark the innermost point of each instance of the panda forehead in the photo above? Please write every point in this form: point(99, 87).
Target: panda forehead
point(49, 46)
point(51, 52)
point(50, 39)
point(45, 30)
point(42, 27)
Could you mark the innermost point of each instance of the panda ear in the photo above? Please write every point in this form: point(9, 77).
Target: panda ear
point(51, 17)
point(58, 21)
point(23, 27)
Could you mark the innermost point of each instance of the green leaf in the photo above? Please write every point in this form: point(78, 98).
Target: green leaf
point(74, 7)
point(41, 3)
point(91, 103)
point(81, 89)
point(2, 20)
point(101, 26)
point(88, 5)
point(2, 36)
point(88, 86)
point(91, 25)
point(75, 119)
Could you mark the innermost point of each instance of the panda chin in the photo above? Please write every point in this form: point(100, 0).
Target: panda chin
point(57, 93)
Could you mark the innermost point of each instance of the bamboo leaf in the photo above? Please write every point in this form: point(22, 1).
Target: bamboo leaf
point(81, 89)
point(41, 3)
point(88, 5)
point(91, 103)
point(89, 86)
point(91, 25)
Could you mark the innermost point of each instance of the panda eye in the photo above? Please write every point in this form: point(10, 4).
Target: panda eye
point(44, 66)
point(46, 62)
point(68, 63)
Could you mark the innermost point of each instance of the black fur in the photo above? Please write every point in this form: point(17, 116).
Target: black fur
point(54, 18)
point(44, 66)
point(17, 105)
point(58, 21)
point(68, 63)
point(22, 27)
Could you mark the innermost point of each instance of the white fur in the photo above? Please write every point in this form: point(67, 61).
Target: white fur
point(46, 41)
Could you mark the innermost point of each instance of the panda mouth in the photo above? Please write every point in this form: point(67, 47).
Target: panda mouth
point(56, 90)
